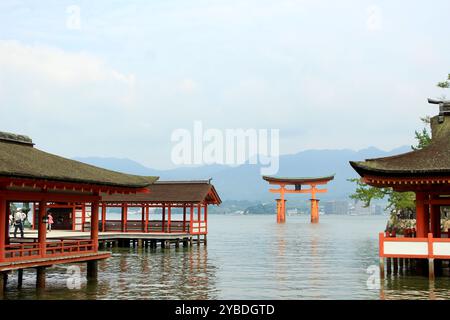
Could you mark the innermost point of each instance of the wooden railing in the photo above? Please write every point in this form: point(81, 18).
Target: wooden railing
point(199, 227)
point(420, 248)
point(155, 226)
point(22, 251)
point(32, 250)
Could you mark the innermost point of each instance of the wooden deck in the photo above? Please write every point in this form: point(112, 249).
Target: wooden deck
point(121, 239)
point(69, 235)
point(49, 261)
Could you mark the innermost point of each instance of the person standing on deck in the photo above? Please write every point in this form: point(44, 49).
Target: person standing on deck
point(19, 217)
point(49, 221)
point(10, 224)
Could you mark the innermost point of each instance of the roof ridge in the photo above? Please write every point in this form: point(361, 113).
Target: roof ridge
point(15, 138)
point(184, 181)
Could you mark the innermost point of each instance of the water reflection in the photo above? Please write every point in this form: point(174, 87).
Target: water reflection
point(184, 273)
point(415, 287)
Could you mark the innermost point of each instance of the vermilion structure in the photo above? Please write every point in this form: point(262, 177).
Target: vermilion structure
point(298, 183)
point(426, 172)
point(28, 174)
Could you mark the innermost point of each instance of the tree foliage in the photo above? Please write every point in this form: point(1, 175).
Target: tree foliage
point(396, 200)
point(444, 84)
point(423, 137)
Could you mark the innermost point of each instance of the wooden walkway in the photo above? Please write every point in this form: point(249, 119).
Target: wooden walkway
point(121, 239)
point(49, 261)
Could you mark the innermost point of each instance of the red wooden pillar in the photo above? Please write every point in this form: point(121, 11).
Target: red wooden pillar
point(8, 212)
point(124, 216)
point(422, 215)
point(206, 217)
point(142, 217)
point(74, 220)
point(169, 217)
point(191, 219)
point(163, 224)
point(83, 216)
point(184, 217)
point(435, 220)
point(33, 225)
point(147, 211)
point(94, 223)
point(42, 227)
point(104, 217)
point(4, 217)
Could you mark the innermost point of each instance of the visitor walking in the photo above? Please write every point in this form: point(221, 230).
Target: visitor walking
point(19, 218)
point(49, 221)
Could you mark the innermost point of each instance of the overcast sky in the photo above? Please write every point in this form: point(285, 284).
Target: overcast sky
point(328, 74)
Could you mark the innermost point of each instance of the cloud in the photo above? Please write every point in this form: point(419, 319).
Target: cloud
point(36, 73)
point(57, 65)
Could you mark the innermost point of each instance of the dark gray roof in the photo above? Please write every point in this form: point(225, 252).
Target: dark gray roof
point(433, 160)
point(298, 180)
point(19, 159)
point(171, 192)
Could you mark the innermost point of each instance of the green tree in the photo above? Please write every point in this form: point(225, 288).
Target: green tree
point(445, 84)
point(396, 200)
point(423, 137)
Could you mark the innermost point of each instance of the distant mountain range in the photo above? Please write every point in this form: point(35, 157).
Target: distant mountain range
point(245, 183)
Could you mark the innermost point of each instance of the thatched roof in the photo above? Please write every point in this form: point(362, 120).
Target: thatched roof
point(298, 180)
point(171, 192)
point(19, 159)
point(433, 160)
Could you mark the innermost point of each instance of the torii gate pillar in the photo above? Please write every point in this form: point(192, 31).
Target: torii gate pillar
point(314, 210)
point(281, 210)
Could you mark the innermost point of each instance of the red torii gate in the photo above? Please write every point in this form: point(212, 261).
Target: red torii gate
point(312, 182)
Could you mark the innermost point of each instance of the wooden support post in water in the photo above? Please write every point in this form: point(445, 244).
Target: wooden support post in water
point(3, 283)
point(92, 271)
point(395, 265)
point(381, 268)
point(40, 277)
point(205, 240)
point(166, 244)
point(198, 240)
point(19, 278)
point(388, 265)
point(431, 269)
point(3, 280)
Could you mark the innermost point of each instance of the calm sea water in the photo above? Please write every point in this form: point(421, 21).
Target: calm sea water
point(247, 257)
